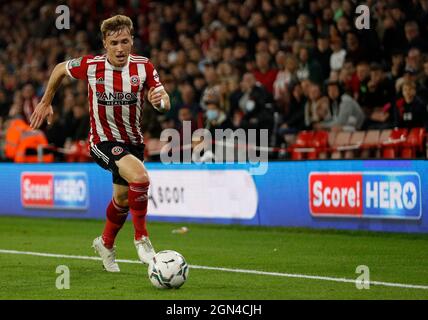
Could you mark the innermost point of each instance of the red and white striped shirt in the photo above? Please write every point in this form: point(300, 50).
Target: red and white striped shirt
point(116, 95)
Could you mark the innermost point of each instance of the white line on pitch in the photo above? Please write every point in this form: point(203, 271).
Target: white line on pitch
point(276, 274)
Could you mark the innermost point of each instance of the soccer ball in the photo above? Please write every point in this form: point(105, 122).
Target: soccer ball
point(168, 269)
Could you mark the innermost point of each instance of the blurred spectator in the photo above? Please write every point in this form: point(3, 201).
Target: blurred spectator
point(287, 65)
point(393, 31)
point(188, 100)
point(308, 68)
point(380, 91)
point(293, 117)
point(409, 74)
point(338, 55)
point(360, 79)
point(174, 95)
point(397, 65)
point(423, 82)
point(346, 114)
point(410, 111)
point(211, 90)
point(216, 118)
point(251, 112)
point(413, 37)
point(79, 128)
point(322, 55)
point(314, 110)
point(354, 51)
point(26, 105)
point(55, 134)
point(185, 114)
point(414, 60)
point(264, 73)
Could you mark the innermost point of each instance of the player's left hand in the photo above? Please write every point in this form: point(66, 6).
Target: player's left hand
point(154, 98)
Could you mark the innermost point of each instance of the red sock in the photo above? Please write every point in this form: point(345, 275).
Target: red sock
point(138, 199)
point(116, 217)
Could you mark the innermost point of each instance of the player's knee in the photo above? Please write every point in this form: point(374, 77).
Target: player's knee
point(140, 177)
point(121, 201)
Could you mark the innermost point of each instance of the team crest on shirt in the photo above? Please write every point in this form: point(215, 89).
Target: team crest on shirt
point(116, 150)
point(135, 81)
point(100, 80)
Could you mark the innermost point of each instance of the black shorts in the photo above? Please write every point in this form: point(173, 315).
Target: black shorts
point(106, 153)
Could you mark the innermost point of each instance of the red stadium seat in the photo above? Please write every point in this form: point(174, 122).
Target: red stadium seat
point(310, 145)
point(78, 152)
point(303, 145)
point(415, 143)
point(320, 142)
point(391, 145)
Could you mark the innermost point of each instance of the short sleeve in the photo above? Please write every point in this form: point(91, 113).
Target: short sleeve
point(78, 68)
point(152, 77)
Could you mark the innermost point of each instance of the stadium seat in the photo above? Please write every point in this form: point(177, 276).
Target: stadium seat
point(303, 145)
point(391, 145)
point(415, 143)
point(370, 143)
point(342, 140)
point(384, 135)
point(357, 139)
point(320, 142)
point(79, 152)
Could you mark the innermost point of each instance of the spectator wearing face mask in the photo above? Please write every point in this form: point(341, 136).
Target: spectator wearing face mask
point(216, 118)
point(251, 112)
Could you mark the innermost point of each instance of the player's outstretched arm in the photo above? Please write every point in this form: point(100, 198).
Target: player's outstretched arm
point(159, 99)
point(44, 109)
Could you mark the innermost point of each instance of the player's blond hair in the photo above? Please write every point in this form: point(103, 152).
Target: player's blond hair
point(115, 24)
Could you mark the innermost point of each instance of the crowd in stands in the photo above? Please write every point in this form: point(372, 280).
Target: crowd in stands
point(282, 65)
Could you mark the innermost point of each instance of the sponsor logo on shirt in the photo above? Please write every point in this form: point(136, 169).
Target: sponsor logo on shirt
point(117, 98)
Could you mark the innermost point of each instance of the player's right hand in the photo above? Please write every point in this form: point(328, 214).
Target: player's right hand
point(43, 111)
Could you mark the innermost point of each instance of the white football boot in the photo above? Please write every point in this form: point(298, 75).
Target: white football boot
point(108, 255)
point(144, 249)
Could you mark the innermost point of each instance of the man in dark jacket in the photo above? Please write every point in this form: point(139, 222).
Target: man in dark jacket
point(253, 105)
point(410, 111)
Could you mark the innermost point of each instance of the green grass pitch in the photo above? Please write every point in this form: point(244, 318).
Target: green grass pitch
point(394, 258)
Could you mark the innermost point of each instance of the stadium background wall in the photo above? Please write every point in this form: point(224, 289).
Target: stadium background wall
point(289, 194)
